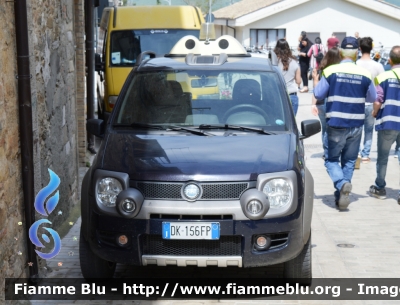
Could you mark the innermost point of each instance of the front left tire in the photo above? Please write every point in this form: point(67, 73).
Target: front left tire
point(92, 266)
point(300, 267)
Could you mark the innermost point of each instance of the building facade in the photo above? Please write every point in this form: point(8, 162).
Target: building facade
point(260, 23)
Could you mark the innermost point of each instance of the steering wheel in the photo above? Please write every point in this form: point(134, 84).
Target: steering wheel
point(243, 107)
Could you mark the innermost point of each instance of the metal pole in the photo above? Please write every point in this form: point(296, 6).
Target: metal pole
point(90, 77)
point(25, 125)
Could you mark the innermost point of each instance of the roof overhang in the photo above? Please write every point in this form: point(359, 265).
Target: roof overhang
point(374, 5)
point(379, 7)
point(261, 13)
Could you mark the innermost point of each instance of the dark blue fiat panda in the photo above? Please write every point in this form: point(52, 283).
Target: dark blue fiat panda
point(202, 164)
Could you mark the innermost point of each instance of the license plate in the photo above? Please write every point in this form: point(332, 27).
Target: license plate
point(190, 230)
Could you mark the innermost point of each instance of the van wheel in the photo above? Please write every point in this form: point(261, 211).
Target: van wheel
point(93, 266)
point(300, 268)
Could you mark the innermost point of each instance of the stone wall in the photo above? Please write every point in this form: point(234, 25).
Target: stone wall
point(80, 80)
point(53, 63)
point(12, 239)
point(52, 45)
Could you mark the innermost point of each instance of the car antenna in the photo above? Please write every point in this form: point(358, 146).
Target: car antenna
point(207, 31)
point(208, 21)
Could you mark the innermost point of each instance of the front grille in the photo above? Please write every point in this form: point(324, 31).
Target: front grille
point(223, 190)
point(278, 240)
point(107, 238)
point(225, 246)
point(191, 217)
point(160, 190)
point(172, 191)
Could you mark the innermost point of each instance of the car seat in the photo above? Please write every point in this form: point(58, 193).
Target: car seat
point(246, 91)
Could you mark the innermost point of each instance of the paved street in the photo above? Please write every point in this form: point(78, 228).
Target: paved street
point(361, 242)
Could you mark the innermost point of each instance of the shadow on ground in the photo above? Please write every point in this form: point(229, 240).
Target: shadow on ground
point(329, 200)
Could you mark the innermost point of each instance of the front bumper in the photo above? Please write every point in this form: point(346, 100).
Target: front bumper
point(235, 247)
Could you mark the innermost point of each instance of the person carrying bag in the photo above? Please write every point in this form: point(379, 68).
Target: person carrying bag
point(316, 54)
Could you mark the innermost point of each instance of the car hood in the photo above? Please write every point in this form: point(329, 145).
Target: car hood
point(190, 157)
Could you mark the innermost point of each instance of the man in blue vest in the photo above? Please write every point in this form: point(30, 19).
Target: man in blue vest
point(387, 113)
point(347, 88)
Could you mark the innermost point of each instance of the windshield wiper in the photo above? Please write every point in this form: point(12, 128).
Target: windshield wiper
point(194, 131)
point(236, 127)
point(140, 125)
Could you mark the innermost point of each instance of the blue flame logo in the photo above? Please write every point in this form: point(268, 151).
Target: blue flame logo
point(45, 211)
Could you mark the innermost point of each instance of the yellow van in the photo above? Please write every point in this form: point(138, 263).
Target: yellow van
point(198, 85)
point(125, 32)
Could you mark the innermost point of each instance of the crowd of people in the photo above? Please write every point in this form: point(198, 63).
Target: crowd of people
point(352, 94)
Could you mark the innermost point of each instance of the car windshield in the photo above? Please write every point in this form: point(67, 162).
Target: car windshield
point(214, 98)
point(127, 45)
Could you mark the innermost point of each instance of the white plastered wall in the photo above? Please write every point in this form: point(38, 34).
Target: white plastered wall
point(326, 16)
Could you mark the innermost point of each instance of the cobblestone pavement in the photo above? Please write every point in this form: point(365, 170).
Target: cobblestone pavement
point(362, 242)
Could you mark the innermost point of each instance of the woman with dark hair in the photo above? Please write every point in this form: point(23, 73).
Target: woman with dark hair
point(316, 49)
point(290, 70)
point(332, 57)
point(304, 61)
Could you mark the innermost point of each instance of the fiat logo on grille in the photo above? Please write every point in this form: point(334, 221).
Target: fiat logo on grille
point(191, 191)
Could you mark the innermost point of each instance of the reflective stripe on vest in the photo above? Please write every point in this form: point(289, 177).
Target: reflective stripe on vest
point(388, 117)
point(348, 87)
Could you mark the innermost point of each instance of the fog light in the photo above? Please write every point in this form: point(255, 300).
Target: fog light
point(254, 204)
point(122, 240)
point(128, 205)
point(254, 207)
point(261, 241)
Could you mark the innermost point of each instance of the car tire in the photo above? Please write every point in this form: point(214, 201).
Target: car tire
point(92, 266)
point(300, 267)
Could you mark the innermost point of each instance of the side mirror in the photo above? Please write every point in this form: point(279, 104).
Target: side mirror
point(96, 127)
point(98, 63)
point(309, 128)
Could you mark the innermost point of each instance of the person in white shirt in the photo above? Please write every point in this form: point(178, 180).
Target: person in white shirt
point(375, 68)
point(290, 70)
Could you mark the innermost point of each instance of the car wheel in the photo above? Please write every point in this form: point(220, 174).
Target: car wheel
point(300, 267)
point(93, 266)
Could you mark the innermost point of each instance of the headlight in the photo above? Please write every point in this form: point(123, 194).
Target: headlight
point(279, 193)
point(108, 190)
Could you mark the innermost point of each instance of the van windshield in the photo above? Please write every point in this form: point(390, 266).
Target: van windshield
point(197, 97)
point(127, 45)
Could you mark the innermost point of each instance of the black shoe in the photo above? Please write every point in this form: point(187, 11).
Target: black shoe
point(344, 199)
point(92, 150)
point(378, 193)
point(398, 199)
